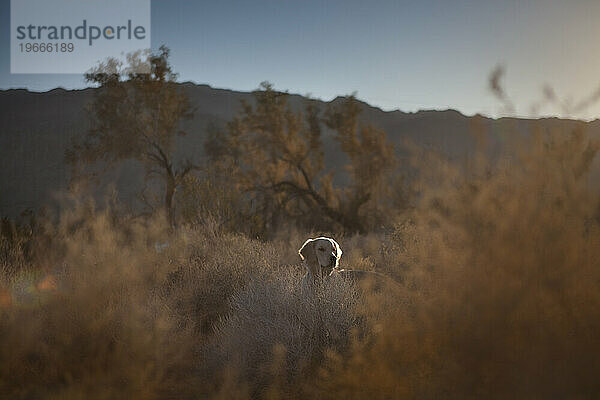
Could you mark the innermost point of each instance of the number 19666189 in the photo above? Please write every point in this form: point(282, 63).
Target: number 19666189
point(46, 47)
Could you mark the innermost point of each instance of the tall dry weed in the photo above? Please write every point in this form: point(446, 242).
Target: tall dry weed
point(498, 272)
point(501, 289)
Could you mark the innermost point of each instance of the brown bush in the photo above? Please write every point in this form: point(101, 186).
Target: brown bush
point(498, 298)
point(501, 291)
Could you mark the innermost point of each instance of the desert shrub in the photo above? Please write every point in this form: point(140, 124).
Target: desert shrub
point(279, 318)
point(122, 307)
point(502, 287)
point(12, 257)
point(17, 245)
point(210, 198)
point(209, 267)
point(498, 296)
point(92, 326)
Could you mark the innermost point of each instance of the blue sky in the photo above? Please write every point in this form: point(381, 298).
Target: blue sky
point(396, 55)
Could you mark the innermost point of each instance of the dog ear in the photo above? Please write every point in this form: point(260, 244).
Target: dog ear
point(303, 252)
point(338, 249)
point(338, 252)
point(308, 254)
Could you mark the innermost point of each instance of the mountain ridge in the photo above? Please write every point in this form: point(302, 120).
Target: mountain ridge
point(37, 128)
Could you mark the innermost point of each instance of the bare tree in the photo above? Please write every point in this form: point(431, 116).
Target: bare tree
point(136, 114)
point(276, 155)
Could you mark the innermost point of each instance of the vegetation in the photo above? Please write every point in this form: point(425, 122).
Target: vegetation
point(136, 114)
point(499, 292)
point(498, 285)
point(276, 156)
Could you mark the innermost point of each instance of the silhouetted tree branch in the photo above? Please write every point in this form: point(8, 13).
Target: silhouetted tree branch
point(136, 114)
point(276, 155)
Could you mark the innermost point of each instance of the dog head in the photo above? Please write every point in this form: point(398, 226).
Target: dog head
point(321, 256)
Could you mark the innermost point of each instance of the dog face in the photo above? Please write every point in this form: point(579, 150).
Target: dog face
point(321, 256)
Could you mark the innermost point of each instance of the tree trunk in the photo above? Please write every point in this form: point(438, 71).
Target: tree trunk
point(169, 194)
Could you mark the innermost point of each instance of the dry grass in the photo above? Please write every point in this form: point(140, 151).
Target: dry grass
point(502, 283)
point(278, 312)
point(499, 297)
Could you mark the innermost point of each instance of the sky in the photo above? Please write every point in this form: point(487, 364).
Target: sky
point(394, 54)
